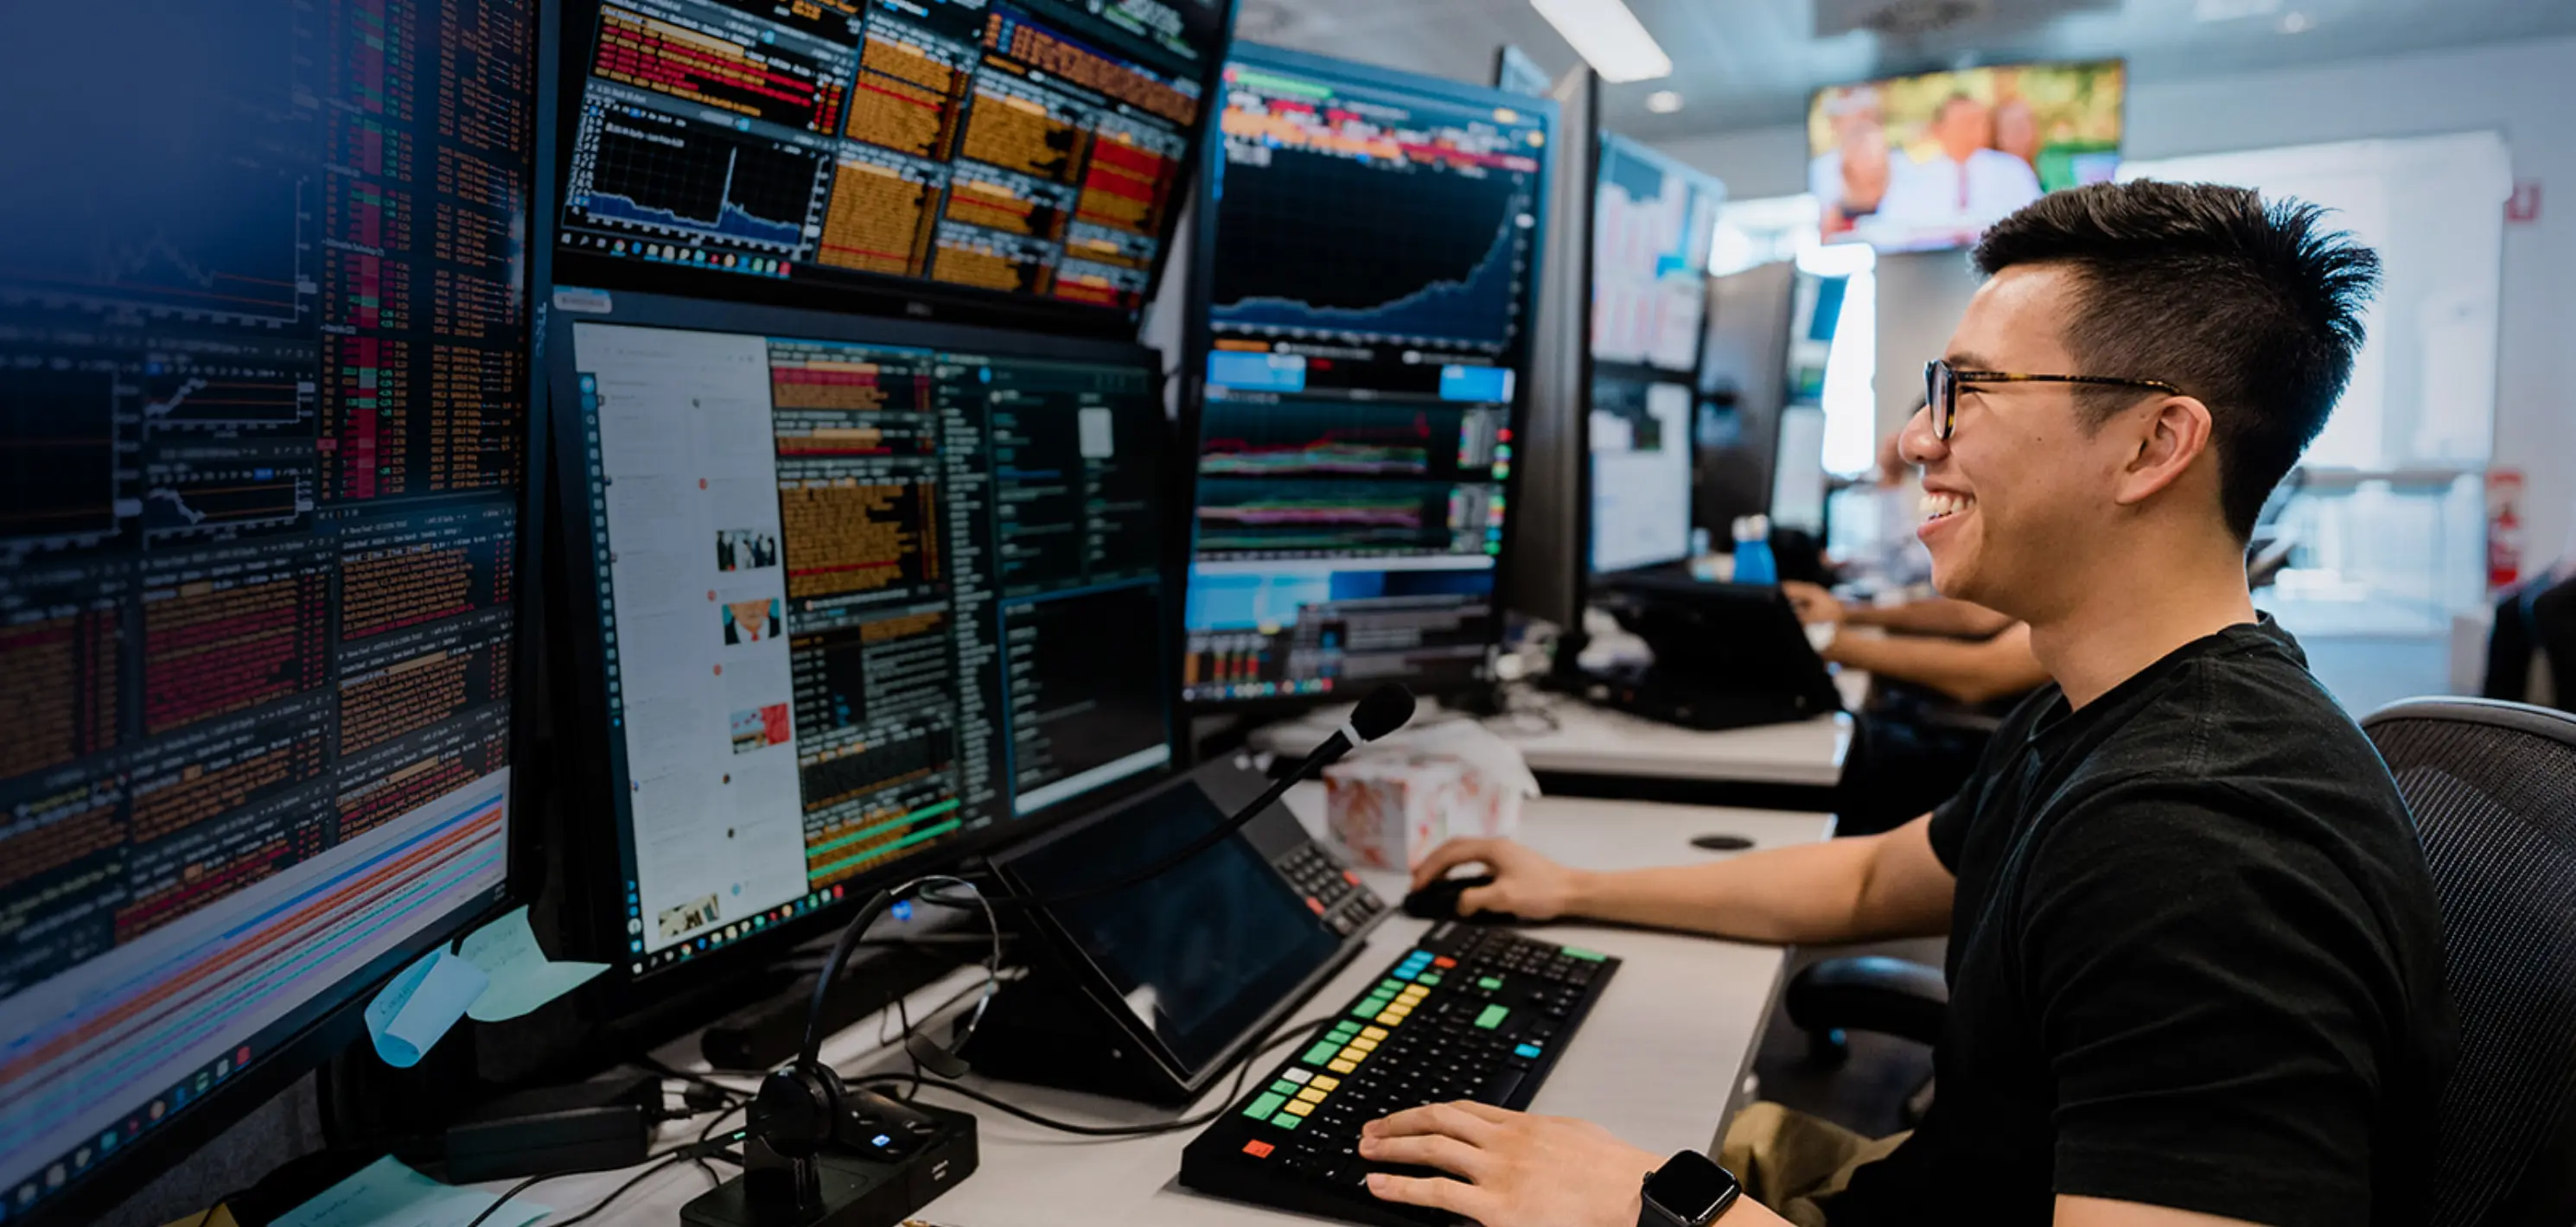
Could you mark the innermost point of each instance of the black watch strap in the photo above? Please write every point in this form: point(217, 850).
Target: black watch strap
point(1689, 1190)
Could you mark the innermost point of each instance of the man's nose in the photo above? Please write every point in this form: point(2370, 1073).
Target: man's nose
point(1918, 443)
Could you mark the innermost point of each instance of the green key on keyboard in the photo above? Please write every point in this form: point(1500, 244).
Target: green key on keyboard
point(1493, 1016)
point(1588, 956)
point(1264, 1106)
point(1320, 1052)
point(1283, 1087)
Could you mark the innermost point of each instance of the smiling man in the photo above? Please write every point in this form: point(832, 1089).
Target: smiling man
point(2194, 957)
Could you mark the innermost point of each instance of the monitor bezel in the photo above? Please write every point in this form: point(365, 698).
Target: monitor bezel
point(335, 1027)
point(595, 913)
point(1198, 339)
point(874, 294)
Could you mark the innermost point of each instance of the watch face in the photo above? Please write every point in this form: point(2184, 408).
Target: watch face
point(1691, 1188)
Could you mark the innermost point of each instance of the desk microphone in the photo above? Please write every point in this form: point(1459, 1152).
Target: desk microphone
point(804, 1107)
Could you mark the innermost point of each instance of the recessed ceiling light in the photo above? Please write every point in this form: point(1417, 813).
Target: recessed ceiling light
point(1608, 37)
point(2295, 23)
point(1663, 102)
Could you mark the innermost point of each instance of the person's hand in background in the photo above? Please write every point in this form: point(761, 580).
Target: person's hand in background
point(1525, 884)
point(1813, 603)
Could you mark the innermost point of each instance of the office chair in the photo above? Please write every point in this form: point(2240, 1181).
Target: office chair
point(2492, 786)
point(2537, 619)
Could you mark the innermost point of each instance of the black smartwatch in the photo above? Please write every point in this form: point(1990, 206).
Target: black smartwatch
point(1689, 1190)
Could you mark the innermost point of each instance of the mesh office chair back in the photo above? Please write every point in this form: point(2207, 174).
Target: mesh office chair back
point(2493, 789)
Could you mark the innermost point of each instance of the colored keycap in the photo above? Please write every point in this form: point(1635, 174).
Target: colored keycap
point(1375, 1033)
point(1403, 973)
point(1444, 962)
point(1258, 1150)
point(1340, 1067)
point(1263, 1106)
point(1299, 1108)
point(1283, 1087)
point(1389, 985)
point(1390, 1019)
point(1489, 982)
point(1320, 1052)
point(1326, 1085)
point(1365, 1045)
point(1311, 1095)
point(1527, 1050)
point(1493, 1017)
point(1429, 977)
point(1285, 1121)
point(1296, 1075)
point(1589, 956)
point(1355, 1053)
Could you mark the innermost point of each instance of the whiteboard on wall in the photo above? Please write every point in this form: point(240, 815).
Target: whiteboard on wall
point(2424, 386)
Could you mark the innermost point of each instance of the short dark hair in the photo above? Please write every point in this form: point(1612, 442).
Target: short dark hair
point(2253, 307)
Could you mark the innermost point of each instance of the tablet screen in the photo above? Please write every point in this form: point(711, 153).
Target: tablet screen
point(1201, 952)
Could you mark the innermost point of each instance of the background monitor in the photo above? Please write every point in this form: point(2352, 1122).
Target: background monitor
point(1370, 252)
point(1639, 435)
point(263, 372)
point(1516, 73)
point(1652, 221)
point(1743, 381)
point(866, 594)
point(955, 157)
point(1929, 161)
point(1798, 479)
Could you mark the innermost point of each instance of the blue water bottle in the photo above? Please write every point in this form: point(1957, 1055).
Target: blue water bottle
point(1753, 561)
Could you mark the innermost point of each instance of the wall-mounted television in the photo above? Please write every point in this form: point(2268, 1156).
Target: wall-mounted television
point(1926, 162)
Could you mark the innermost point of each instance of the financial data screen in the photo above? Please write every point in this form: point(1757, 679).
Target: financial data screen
point(1639, 435)
point(263, 418)
point(1652, 222)
point(860, 603)
point(1029, 148)
point(1373, 246)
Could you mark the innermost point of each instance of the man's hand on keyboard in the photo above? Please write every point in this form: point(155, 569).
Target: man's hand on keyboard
point(1520, 1170)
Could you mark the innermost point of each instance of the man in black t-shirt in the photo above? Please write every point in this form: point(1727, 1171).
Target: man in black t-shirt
point(2194, 956)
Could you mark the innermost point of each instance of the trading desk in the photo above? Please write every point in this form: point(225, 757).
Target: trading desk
point(1659, 1061)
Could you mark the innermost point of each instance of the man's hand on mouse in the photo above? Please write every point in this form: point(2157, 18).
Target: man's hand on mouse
point(1519, 1170)
point(1525, 884)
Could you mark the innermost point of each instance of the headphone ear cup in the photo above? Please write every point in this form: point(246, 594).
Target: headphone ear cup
point(795, 1109)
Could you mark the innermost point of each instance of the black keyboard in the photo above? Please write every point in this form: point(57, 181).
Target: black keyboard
point(1471, 1013)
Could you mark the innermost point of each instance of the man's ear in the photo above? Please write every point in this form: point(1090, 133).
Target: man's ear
point(2173, 433)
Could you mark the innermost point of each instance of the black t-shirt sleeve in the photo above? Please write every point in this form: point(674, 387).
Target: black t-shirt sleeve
point(2206, 991)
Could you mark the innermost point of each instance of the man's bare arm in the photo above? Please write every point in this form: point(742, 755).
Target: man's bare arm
point(1935, 616)
point(1971, 672)
point(1861, 889)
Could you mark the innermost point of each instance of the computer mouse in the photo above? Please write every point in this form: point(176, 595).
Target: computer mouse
point(1722, 843)
point(1439, 901)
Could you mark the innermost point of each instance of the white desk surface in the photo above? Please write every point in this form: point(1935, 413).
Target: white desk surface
point(1591, 740)
point(1659, 1059)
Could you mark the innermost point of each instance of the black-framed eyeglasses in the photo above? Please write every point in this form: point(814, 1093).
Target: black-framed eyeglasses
point(1941, 388)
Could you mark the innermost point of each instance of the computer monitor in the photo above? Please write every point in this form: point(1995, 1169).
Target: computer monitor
point(1653, 219)
point(858, 596)
point(1639, 435)
point(263, 422)
point(959, 159)
point(1798, 480)
point(1360, 343)
point(1743, 380)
